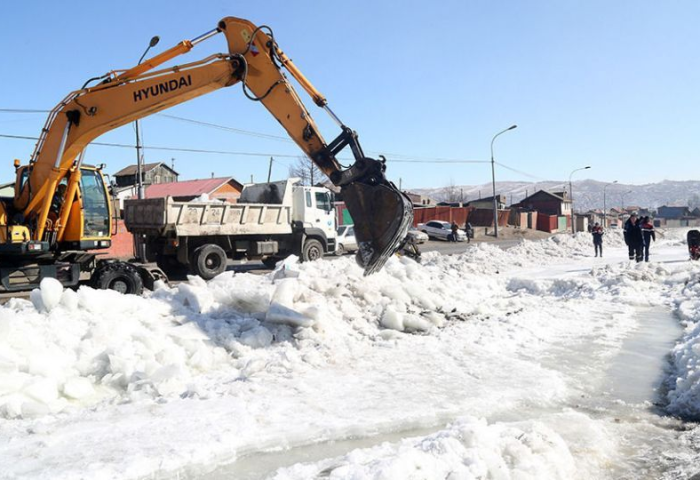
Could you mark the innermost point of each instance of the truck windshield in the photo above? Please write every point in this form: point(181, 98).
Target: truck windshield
point(323, 201)
point(95, 207)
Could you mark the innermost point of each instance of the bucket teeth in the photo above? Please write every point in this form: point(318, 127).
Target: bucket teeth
point(382, 216)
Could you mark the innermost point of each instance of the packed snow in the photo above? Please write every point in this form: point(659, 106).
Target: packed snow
point(471, 362)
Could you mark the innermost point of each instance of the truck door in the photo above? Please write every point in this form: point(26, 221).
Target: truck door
point(319, 211)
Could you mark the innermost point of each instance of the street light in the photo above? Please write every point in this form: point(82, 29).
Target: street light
point(139, 243)
point(605, 210)
point(139, 157)
point(571, 194)
point(493, 179)
point(622, 198)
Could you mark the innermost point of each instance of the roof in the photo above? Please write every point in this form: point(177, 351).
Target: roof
point(147, 167)
point(187, 188)
point(540, 192)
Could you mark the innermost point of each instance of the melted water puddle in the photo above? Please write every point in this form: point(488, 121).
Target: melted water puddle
point(622, 394)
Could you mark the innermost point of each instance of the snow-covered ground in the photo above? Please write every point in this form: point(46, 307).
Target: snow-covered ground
point(489, 364)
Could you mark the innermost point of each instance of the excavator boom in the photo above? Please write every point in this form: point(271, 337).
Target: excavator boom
point(381, 213)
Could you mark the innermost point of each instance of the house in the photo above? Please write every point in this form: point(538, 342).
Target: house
point(546, 202)
point(673, 212)
point(487, 202)
point(419, 200)
point(152, 173)
point(222, 188)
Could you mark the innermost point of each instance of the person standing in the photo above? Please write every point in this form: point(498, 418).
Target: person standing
point(597, 232)
point(469, 230)
point(648, 234)
point(455, 229)
point(633, 237)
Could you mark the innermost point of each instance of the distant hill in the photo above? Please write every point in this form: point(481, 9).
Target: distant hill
point(588, 194)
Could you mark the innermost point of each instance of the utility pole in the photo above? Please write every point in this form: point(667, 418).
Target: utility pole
point(269, 171)
point(493, 178)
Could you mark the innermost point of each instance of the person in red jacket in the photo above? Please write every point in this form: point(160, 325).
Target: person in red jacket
point(648, 235)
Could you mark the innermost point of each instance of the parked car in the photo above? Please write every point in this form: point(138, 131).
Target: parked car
point(440, 230)
point(417, 236)
point(345, 242)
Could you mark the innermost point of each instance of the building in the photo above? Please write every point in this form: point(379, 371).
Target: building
point(220, 188)
point(673, 212)
point(487, 202)
point(546, 202)
point(153, 173)
point(419, 200)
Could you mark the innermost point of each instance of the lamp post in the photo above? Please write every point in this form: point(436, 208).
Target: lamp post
point(605, 210)
point(571, 194)
point(622, 199)
point(493, 180)
point(139, 156)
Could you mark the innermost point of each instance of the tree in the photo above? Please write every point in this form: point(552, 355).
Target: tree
point(451, 193)
point(694, 201)
point(307, 170)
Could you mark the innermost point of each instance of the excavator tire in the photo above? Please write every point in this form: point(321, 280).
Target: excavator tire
point(208, 261)
point(118, 276)
point(313, 250)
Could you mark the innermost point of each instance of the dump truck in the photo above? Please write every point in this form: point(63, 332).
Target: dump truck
point(270, 222)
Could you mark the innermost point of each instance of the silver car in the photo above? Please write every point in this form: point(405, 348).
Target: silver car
point(440, 230)
point(417, 236)
point(346, 240)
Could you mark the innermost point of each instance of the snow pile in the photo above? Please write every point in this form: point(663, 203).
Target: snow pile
point(684, 394)
point(467, 449)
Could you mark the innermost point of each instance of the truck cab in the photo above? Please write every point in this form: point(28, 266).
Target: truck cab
point(313, 208)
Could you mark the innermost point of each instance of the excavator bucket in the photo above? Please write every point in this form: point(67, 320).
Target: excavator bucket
point(382, 217)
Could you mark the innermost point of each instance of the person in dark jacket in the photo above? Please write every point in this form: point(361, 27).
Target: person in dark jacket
point(648, 234)
point(633, 237)
point(455, 230)
point(469, 231)
point(597, 232)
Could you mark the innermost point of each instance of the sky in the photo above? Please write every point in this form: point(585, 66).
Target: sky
point(612, 85)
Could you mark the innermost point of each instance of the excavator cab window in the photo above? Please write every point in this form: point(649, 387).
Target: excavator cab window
point(95, 206)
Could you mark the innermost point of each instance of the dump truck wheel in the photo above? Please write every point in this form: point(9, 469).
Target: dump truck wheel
point(208, 261)
point(118, 276)
point(313, 250)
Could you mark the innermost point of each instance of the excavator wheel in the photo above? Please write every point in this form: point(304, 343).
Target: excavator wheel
point(118, 276)
point(208, 261)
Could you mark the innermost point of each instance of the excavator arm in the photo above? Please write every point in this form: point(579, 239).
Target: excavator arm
point(382, 214)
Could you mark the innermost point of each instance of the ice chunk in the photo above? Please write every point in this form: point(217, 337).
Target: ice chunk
point(44, 390)
point(257, 337)
point(392, 319)
point(77, 388)
point(281, 314)
point(48, 295)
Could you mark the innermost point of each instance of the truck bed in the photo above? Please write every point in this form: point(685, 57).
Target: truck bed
point(165, 216)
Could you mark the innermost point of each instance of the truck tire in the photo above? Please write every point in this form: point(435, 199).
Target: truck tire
point(118, 276)
point(313, 250)
point(208, 261)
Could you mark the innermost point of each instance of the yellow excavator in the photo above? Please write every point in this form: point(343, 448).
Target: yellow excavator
point(61, 215)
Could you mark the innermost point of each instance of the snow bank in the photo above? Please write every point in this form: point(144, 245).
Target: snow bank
point(684, 393)
point(467, 449)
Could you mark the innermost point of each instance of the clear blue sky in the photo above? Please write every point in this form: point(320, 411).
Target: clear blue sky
point(609, 84)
